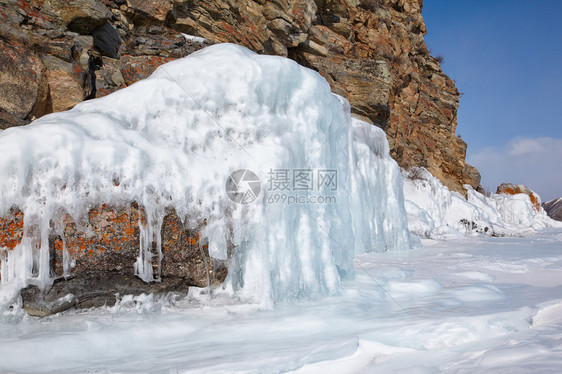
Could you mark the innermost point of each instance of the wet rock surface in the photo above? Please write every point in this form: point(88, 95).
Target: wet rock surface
point(79, 291)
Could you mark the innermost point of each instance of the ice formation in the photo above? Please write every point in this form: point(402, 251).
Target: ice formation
point(193, 38)
point(173, 139)
point(436, 212)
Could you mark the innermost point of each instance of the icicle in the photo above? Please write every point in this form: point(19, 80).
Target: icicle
point(17, 263)
point(143, 265)
point(44, 276)
point(202, 250)
point(150, 234)
point(67, 262)
point(158, 235)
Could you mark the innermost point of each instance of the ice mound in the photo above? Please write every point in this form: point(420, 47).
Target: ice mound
point(436, 212)
point(174, 139)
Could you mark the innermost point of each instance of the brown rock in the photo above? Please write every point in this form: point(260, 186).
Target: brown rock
point(156, 9)
point(81, 16)
point(69, 84)
point(135, 68)
point(331, 40)
point(365, 83)
point(9, 120)
point(110, 238)
point(30, 14)
point(22, 80)
point(109, 77)
point(157, 41)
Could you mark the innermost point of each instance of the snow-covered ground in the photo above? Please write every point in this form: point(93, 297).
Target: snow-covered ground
point(478, 305)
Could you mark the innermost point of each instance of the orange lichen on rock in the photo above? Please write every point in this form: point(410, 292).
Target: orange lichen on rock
point(193, 240)
point(107, 239)
point(11, 229)
point(511, 189)
point(535, 201)
point(95, 244)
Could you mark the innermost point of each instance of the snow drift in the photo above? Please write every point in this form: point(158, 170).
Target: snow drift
point(173, 139)
point(435, 212)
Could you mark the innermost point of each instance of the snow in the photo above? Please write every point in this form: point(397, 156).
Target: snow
point(173, 140)
point(438, 213)
point(479, 304)
point(193, 38)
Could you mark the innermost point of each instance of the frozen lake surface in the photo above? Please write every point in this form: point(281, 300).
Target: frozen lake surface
point(480, 304)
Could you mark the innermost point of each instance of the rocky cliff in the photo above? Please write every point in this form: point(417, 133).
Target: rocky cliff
point(554, 208)
point(58, 53)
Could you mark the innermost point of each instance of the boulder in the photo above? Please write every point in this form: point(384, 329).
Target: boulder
point(81, 16)
point(93, 289)
point(9, 120)
point(69, 83)
point(94, 258)
point(158, 41)
point(23, 82)
point(512, 189)
point(155, 9)
point(109, 77)
point(11, 229)
point(107, 40)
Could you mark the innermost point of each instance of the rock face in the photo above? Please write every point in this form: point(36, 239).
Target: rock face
point(92, 259)
point(512, 189)
point(58, 53)
point(554, 209)
point(80, 292)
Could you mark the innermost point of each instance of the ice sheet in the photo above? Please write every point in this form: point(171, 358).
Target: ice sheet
point(412, 311)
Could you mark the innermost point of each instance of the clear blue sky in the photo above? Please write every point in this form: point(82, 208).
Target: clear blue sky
point(506, 57)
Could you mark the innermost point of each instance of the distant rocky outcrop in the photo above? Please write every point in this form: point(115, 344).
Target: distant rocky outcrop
point(512, 189)
point(58, 53)
point(554, 208)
